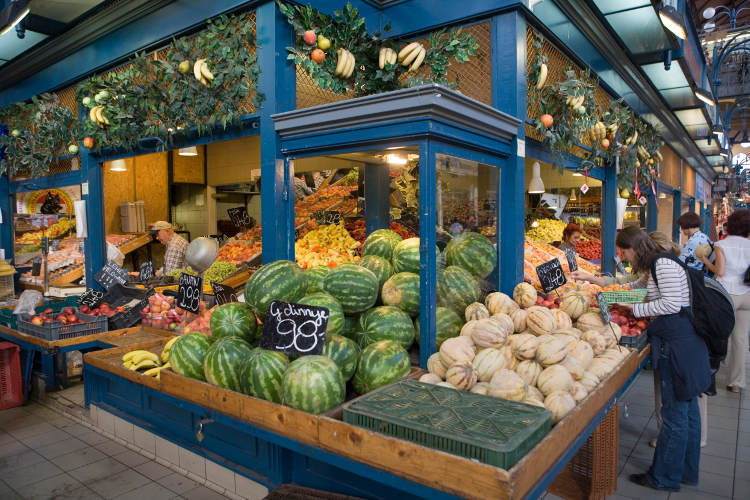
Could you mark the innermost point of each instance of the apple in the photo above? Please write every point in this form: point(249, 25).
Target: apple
point(72, 318)
point(642, 324)
point(539, 300)
point(147, 309)
point(47, 320)
point(324, 43)
point(605, 143)
point(15, 132)
point(317, 55)
point(48, 311)
point(120, 309)
point(184, 67)
point(310, 37)
point(68, 310)
point(88, 142)
point(36, 320)
point(102, 96)
point(85, 309)
point(73, 149)
point(625, 330)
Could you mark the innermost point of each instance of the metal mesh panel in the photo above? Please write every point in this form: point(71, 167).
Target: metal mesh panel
point(68, 99)
point(57, 167)
point(246, 105)
point(309, 94)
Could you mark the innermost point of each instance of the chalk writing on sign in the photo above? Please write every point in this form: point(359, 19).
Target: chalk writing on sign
point(294, 328)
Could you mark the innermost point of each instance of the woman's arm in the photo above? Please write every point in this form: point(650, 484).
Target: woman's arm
point(672, 281)
point(719, 267)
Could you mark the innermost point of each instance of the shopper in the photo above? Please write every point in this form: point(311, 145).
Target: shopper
point(301, 189)
point(732, 261)
point(680, 356)
point(723, 233)
point(174, 257)
point(690, 224)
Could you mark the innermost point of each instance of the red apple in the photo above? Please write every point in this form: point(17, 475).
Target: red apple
point(642, 324)
point(68, 310)
point(120, 309)
point(36, 320)
point(88, 142)
point(310, 37)
point(48, 311)
point(625, 330)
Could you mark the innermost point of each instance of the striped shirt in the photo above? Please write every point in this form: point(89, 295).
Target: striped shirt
point(672, 294)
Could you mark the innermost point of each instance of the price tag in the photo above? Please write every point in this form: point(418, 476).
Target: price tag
point(146, 271)
point(189, 292)
point(294, 328)
point(642, 200)
point(81, 248)
point(603, 307)
point(570, 254)
point(45, 245)
point(223, 293)
point(90, 298)
point(324, 217)
point(551, 275)
point(36, 267)
point(54, 246)
point(239, 216)
point(110, 275)
point(585, 188)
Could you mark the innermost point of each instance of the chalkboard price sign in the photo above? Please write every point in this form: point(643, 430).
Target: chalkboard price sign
point(323, 217)
point(36, 267)
point(90, 298)
point(603, 307)
point(239, 216)
point(551, 275)
point(570, 254)
point(111, 274)
point(294, 328)
point(223, 293)
point(189, 292)
point(147, 271)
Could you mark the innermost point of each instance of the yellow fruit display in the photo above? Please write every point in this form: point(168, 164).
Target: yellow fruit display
point(547, 231)
point(326, 246)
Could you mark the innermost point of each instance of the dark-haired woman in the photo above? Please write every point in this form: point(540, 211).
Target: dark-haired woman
point(690, 227)
point(732, 260)
point(570, 238)
point(679, 355)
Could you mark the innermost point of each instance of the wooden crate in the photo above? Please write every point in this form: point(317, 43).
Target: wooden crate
point(111, 360)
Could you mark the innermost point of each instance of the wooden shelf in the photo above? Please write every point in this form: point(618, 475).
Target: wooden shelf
point(134, 244)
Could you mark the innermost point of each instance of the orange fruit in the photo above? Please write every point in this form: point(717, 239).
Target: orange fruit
point(317, 55)
point(546, 120)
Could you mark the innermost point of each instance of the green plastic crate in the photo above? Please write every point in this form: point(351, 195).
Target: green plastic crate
point(629, 296)
point(494, 431)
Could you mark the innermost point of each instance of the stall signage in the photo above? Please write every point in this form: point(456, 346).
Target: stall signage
point(585, 188)
point(189, 292)
point(570, 254)
point(146, 271)
point(551, 275)
point(36, 267)
point(90, 298)
point(45, 245)
point(294, 328)
point(239, 216)
point(110, 275)
point(223, 293)
point(642, 200)
point(324, 217)
point(603, 307)
point(54, 246)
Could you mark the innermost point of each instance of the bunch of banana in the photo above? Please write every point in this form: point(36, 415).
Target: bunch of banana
point(345, 64)
point(612, 129)
point(412, 55)
point(167, 348)
point(140, 360)
point(631, 140)
point(642, 153)
point(387, 55)
point(658, 156)
point(543, 71)
point(598, 132)
point(202, 73)
point(156, 372)
point(574, 102)
point(96, 115)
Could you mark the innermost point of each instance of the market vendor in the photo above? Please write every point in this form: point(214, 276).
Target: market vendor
point(174, 257)
point(570, 238)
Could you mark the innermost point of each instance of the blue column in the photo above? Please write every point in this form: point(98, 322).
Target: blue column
point(427, 254)
point(609, 218)
point(277, 82)
point(95, 244)
point(652, 214)
point(677, 206)
point(508, 38)
point(6, 208)
point(377, 197)
point(707, 217)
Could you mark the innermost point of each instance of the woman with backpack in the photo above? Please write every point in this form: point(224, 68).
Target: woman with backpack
point(731, 266)
point(680, 356)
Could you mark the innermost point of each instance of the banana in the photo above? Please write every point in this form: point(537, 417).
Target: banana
point(92, 114)
point(381, 58)
point(197, 68)
point(146, 364)
point(167, 348)
point(205, 82)
point(145, 355)
point(128, 356)
point(152, 372)
point(350, 68)
point(569, 100)
point(407, 50)
point(542, 76)
point(392, 56)
point(411, 56)
point(205, 72)
point(418, 61)
point(340, 63)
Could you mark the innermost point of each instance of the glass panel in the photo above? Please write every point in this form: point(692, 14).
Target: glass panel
point(679, 97)
point(665, 79)
point(666, 213)
point(608, 6)
point(640, 30)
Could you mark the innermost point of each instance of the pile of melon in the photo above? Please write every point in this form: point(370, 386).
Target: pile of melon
point(514, 349)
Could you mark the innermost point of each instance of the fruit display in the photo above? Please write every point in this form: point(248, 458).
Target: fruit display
point(547, 231)
point(216, 272)
point(104, 309)
point(381, 243)
point(330, 245)
point(630, 326)
point(590, 250)
point(536, 253)
point(197, 323)
point(358, 231)
point(323, 199)
point(56, 230)
point(473, 252)
point(120, 239)
point(146, 362)
point(237, 252)
point(279, 280)
point(68, 316)
point(234, 319)
point(161, 313)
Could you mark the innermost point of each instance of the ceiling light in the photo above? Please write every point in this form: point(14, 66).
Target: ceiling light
point(709, 26)
point(191, 151)
point(12, 14)
point(573, 195)
point(118, 166)
point(394, 159)
point(673, 21)
point(724, 154)
point(745, 142)
point(719, 131)
point(577, 174)
point(709, 13)
point(662, 196)
point(536, 186)
point(704, 96)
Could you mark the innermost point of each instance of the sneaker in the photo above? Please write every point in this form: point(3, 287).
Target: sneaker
point(733, 388)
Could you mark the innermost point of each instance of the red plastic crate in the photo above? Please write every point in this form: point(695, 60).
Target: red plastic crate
point(11, 387)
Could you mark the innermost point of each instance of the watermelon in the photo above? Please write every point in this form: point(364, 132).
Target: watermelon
point(402, 290)
point(351, 326)
point(447, 324)
point(221, 365)
point(344, 352)
point(406, 256)
point(335, 313)
point(187, 354)
point(472, 251)
point(381, 243)
point(381, 267)
point(279, 280)
point(313, 384)
point(315, 277)
point(234, 319)
point(457, 288)
point(261, 373)
point(355, 287)
point(387, 323)
point(380, 364)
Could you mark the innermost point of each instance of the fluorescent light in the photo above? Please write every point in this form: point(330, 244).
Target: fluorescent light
point(191, 151)
point(705, 96)
point(662, 196)
point(718, 130)
point(673, 21)
point(745, 141)
point(118, 166)
point(724, 154)
point(577, 174)
point(536, 186)
point(12, 14)
point(394, 159)
point(709, 13)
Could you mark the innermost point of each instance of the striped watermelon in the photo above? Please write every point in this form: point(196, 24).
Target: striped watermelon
point(402, 290)
point(187, 354)
point(343, 351)
point(335, 313)
point(447, 324)
point(457, 288)
point(381, 243)
point(381, 267)
point(355, 287)
point(261, 373)
point(351, 326)
point(279, 280)
point(387, 323)
point(313, 384)
point(472, 251)
point(234, 319)
point(221, 365)
point(380, 364)
point(406, 256)
point(315, 277)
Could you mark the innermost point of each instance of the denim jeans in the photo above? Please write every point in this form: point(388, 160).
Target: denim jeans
point(678, 447)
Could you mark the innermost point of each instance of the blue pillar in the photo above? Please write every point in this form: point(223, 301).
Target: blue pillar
point(377, 197)
point(652, 214)
point(609, 219)
point(707, 217)
point(95, 243)
point(508, 38)
point(6, 210)
point(677, 207)
point(277, 82)
point(427, 254)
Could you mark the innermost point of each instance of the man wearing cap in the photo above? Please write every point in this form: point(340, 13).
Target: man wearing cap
point(174, 257)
